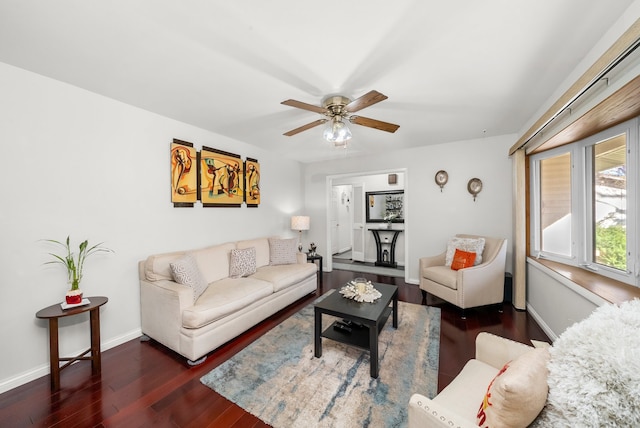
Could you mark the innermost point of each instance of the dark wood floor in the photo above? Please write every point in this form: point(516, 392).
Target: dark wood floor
point(145, 385)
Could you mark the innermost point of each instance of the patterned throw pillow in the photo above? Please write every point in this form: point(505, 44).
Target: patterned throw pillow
point(471, 245)
point(462, 259)
point(518, 392)
point(283, 251)
point(243, 262)
point(185, 271)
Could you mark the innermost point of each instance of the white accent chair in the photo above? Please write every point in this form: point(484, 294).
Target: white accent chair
point(470, 287)
point(457, 405)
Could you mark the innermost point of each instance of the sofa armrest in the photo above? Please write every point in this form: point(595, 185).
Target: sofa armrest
point(301, 257)
point(424, 412)
point(426, 262)
point(161, 306)
point(496, 350)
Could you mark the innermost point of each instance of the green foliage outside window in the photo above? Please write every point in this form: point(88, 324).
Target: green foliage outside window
point(611, 244)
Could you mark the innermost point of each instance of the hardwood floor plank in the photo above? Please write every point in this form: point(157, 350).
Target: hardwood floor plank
point(144, 384)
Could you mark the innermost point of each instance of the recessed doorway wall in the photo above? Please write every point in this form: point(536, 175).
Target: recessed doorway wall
point(351, 243)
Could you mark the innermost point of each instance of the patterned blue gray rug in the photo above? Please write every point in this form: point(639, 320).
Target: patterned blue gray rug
point(278, 379)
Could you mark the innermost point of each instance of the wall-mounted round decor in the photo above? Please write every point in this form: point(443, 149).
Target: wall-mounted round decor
point(474, 186)
point(441, 178)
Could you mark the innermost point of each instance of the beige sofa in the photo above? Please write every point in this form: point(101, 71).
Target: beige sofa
point(227, 307)
point(458, 404)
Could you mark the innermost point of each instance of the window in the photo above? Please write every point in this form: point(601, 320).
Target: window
point(609, 203)
point(555, 205)
point(583, 203)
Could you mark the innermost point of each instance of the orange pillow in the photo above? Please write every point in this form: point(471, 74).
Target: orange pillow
point(462, 259)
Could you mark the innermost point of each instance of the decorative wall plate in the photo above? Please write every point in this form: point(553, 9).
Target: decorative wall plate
point(474, 186)
point(441, 178)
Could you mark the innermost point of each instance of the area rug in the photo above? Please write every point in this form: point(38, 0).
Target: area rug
point(278, 379)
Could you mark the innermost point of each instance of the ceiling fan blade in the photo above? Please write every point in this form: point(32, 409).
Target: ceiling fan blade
point(372, 123)
point(368, 99)
point(304, 106)
point(305, 127)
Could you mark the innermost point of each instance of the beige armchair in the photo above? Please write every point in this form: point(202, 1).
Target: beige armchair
point(470, 287)
point(457, 405)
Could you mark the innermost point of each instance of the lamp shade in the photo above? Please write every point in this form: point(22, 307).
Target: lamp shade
point(300, 222)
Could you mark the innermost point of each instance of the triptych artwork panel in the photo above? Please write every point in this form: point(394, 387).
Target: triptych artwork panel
point(214, 177)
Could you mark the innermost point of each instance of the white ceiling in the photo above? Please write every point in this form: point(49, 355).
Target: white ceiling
point(453, 70)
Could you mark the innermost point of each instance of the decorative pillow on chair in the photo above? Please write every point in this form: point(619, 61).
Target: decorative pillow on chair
point(471, 245)
point(283, 251)
point(243, 262)
point(185, 271)
point(462, 259)
point(518, 392)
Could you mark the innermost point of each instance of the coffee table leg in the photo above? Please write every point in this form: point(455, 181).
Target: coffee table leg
point(373, 349)
point(317, 332)
point(395, 310)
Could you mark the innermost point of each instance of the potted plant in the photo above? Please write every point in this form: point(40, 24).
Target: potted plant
point(74, 265)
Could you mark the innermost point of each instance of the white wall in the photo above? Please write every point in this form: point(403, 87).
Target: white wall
point(81, 164)
point(432, 216)
point(555, 302)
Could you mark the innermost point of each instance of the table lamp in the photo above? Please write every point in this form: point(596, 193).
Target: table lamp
point(300, 223)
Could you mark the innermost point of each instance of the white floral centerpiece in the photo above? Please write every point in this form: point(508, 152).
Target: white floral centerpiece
point(389, 217)
point(360, 290)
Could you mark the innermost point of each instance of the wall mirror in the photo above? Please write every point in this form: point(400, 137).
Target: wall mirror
point(385, 206)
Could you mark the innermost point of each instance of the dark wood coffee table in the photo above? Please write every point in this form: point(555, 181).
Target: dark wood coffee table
point(371, 315)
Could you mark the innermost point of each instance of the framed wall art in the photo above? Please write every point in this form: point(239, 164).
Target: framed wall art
point(184, 174)
point(220, 178)
point(252, 182)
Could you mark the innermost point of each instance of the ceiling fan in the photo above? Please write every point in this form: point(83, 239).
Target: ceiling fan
point(337, 109)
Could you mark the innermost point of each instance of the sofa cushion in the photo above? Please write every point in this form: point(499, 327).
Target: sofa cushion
point(157, 267)
point(442, 275)
point(283, 276)
point(224, 297)
point(462, 259)
point(473, 245)
point(214, 261)
point(243, 262)
point(262, 249)
point(283, 251)
point(185, 271)
point(518, 392)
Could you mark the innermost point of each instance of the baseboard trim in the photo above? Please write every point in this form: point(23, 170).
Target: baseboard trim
point(43, 370)
point(543, 325)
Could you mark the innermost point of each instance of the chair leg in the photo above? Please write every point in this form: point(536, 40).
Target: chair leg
point(424, 297)
point(463, 314)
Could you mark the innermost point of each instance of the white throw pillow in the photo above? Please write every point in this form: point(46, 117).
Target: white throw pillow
point(283, 251)
point(185, 271)
point(518, 392)
point(243, 262)
point(470, 245)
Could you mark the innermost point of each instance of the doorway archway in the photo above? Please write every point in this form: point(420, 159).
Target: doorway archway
point(345, 201)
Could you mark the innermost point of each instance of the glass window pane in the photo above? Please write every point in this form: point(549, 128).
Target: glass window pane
point(555, 205)
point(610, 202)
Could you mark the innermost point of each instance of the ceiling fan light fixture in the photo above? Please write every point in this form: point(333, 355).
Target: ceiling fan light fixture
point(337, 132)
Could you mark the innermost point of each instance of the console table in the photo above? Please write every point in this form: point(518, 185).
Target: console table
point(385, 249)
point(53, 313)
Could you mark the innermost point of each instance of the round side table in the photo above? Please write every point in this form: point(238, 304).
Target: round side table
point(53, 313)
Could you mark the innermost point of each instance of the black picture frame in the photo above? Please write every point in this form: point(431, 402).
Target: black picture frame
point(381, 204)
